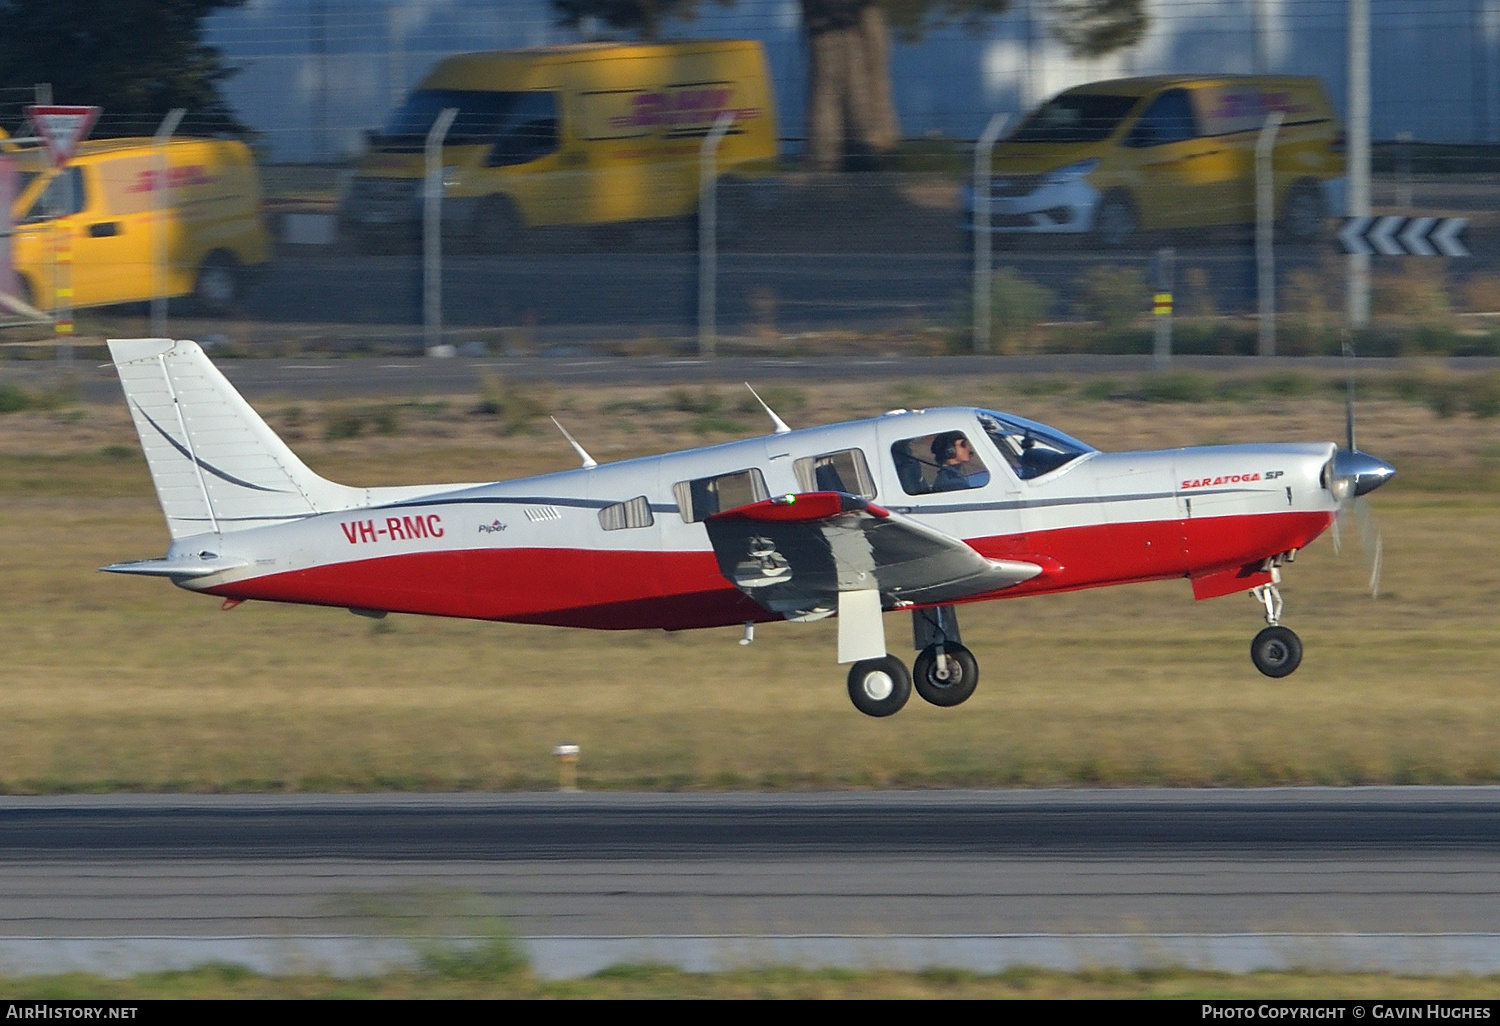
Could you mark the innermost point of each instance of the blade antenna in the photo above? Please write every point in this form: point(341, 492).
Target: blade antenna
point(781, 427)
point(1349, 389)
point(589, 462)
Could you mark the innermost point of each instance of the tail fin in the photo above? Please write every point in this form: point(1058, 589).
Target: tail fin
point(216, 464)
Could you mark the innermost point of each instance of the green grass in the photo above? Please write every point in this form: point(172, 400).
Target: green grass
point(636, 981)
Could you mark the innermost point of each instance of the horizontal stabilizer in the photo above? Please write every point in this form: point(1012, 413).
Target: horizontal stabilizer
point(177, 566)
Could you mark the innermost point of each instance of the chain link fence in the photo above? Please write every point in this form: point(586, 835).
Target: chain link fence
point(862, 262)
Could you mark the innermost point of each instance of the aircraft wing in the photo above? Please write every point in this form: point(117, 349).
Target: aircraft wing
point(794, 554)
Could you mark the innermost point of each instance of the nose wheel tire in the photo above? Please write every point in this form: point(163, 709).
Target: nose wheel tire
point(879, 687)
point(1276, 651)
point(949, 682)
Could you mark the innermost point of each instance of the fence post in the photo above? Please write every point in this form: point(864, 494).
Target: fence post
point(159, 222)
point(708, 236)
point(432, 231)
point(1164, 271)
point(983, 242)
point(1265, 223)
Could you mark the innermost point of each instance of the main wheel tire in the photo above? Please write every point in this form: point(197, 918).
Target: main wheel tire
point(497, 227)
point(879, 687)
point(216, 290)
point(1115, 221)
point(1303, 215)
point(1276, 651)
point(962, 675)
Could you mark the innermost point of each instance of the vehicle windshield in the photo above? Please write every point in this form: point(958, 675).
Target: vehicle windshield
point(482, 115)
point(1030, 448)
point(1074, 118)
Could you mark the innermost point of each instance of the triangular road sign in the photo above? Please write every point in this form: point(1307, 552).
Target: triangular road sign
point(61, 128)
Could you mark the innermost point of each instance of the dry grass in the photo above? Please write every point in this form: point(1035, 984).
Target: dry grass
point(113, 683)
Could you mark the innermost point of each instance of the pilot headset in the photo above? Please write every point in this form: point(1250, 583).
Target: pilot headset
point(945, 446)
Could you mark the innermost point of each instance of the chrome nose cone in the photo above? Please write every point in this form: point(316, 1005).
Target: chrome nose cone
point(1363, 472)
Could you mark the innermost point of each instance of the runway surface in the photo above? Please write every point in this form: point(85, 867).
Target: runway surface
point(1392, 877)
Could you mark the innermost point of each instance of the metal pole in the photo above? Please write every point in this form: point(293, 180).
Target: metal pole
point(983, 242)
point(1357, 297)
point(708, 235)
point(1165, 267)
point(62, 317)
point(1265, 223)
point(432, 230)
point(159, 269)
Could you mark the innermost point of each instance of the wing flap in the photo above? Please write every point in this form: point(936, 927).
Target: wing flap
point(794, 554)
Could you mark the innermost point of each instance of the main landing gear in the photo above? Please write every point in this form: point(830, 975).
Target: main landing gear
point(945, 672)
point(1276, 650)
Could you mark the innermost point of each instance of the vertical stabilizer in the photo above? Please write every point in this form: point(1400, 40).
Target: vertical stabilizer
point(218, 467)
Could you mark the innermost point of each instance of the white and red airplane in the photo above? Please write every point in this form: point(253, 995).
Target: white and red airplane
point(915, 510)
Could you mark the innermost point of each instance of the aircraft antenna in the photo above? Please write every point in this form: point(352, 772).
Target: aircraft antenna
point(589, 462)
point(781, 427)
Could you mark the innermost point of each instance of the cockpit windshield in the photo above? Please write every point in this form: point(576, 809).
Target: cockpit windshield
point(1032, 449)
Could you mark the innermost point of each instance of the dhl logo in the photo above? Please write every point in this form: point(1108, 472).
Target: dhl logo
point(175, 178)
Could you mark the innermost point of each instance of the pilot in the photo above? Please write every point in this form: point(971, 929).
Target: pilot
point(951, 450)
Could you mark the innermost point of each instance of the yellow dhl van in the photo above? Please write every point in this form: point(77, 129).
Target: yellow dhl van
point(584, 134)
point(1166, 152)
point(105, 204)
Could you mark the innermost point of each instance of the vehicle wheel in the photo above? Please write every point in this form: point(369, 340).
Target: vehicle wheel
point(1114, 221)
point(1302, 217)
point(954, 684)
point(879, 687)
point(216, 290)
point(1276, 651)
point(497, 227)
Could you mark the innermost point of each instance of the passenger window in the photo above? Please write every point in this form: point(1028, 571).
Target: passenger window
point(62, 196)
point(634, 512)
point(944, 462)
point(836, 472)
point(1169, 119)
point(702, 498)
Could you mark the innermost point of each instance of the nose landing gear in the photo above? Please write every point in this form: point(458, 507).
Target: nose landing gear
point(1276, 650)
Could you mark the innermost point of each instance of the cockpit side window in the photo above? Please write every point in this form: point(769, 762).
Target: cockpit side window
point(942, 462)
point(1031, 449)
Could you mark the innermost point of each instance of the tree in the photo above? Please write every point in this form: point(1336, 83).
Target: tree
point(137, 59)
point(850, 111)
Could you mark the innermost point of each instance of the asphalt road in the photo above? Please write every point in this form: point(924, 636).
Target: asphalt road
point(1373, 861)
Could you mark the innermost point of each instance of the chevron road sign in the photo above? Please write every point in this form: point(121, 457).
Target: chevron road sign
point(1404, 236)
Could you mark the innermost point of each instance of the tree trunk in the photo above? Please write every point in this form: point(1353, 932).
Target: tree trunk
point(850, 114)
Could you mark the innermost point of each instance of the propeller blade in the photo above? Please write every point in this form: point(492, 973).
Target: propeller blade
point(1349, 393)
point(1370, 542)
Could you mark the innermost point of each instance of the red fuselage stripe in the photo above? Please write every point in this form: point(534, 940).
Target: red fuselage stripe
point(621, 589)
